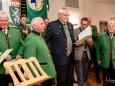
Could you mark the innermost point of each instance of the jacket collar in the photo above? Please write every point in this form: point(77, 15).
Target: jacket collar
point(109, 34)
point(62, 28)
point(35, 32)
point(7, 28)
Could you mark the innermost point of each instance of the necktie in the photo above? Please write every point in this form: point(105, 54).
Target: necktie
point(69, 42)
point(6, 33)
point(111, 35)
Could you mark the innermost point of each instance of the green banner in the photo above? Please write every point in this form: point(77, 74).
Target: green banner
point(36, 8)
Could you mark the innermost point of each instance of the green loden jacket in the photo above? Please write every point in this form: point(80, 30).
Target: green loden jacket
point(35, 46)
point(103, 50)
point(94, 35)
point(15, 42)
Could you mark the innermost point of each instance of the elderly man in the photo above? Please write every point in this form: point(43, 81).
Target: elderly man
point(35, 45)
point(82, 53)
point(60, 35)
point(106, 54)
point(9, 38)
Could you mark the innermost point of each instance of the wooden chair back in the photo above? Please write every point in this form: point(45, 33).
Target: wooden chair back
point(32, 72)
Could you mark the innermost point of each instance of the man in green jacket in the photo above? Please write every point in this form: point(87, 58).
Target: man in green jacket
point(35, 45)
point(10, 38)
point(106, 54)
point(23, 28)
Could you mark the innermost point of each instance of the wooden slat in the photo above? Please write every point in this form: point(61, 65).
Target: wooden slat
point(34, 69)
point(19, 72)
point(10, 66)
point(27, 71)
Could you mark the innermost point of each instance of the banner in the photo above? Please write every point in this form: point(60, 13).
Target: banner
point(36, 8)
point(12, 8)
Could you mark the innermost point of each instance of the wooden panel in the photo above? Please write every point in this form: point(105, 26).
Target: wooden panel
point(72, 3)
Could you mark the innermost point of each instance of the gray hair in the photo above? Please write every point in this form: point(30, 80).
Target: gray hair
point(111, 22)
point(112, 18)
point(35, 21)
point(61, 10)
point(3, 14)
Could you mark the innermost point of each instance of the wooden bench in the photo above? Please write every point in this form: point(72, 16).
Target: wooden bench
point(32, 72)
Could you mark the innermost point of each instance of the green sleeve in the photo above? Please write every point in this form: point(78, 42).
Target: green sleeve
point(94, 33)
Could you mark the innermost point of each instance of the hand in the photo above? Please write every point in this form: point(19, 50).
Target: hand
point(89, 40)
point(99, 63)
point(8, 58)
point(18, 57)
point(25, 31)
point(78, 43)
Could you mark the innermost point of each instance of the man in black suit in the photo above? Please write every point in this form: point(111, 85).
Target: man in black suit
point(60, 35)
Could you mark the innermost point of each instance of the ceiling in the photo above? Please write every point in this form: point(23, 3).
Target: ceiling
point(106, 1)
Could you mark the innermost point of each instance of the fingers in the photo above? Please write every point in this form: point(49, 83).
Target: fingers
point(18, 57)
point(8, 58)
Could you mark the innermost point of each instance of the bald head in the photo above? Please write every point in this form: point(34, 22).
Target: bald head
point(38, 24)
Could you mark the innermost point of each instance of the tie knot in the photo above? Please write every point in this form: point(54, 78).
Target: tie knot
point(5, 31)
point(111, 35)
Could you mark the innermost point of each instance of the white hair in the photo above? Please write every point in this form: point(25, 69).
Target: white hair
point(35, 21)
point(3, 14)
point(61, 10)
point(111, 22)
point(112, 19)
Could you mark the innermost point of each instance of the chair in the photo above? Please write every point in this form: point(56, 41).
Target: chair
point(33, 73)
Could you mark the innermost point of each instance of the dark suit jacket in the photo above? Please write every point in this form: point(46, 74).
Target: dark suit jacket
point(56, 36)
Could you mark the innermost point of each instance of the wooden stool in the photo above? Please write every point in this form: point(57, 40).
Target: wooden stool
point(33, 73)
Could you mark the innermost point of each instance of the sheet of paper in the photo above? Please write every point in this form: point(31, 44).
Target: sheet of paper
point(3, 56)
point(85, 33)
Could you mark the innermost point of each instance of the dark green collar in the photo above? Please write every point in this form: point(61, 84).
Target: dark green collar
point(35, 32)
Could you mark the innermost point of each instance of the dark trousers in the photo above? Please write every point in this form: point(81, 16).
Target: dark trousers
point(109, 76)
point(5, 79)
point(96, 66)
point(65, 72)
point(47, 82)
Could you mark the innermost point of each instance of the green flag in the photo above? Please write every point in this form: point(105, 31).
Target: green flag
point(36, 8)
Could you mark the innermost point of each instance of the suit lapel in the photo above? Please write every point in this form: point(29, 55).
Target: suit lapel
point(70, 28)
point(61, 28)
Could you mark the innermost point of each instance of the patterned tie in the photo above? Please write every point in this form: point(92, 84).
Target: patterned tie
point(69, 41)
point(6, 33)
point(111, 36)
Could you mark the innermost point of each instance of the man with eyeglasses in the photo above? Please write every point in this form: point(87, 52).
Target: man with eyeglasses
point(82, 53)
point(60, 35)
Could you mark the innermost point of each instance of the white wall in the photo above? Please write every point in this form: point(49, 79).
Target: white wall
point(87, 8)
